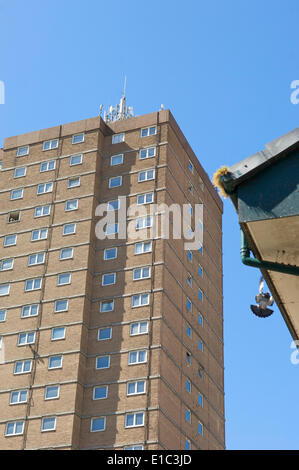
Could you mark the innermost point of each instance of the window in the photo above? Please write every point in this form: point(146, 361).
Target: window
point(108, 279)
point(110, 253)
point(14, 428)
point(187, 445)
point(143, 247)
point(189, 331)
point(69, 229)
point(115, 181)
point(100, 393)
point(137, 447)
point(188, 358)
point(189, 304)
point(19, 172)
point(200, 399)
point(147, 153)
point(144, 222)
point(139, 328)
point(200, 345)
point(111, 229)
point(118, 138)
point(200, 249)
point(187, 415)
point(38, 258)
point(73, 182)
point(136, 388)
point(42, 211)
point(107, 306)
point(134, 420)
point(189, 280)
point(47, 166)
point(26, 338)
point(200, 428)
point(29, 311)
point(137, 357)
point(13, 217)
point(190, 209)
point(147, 131)
point(66, 253)
point(4, 289)
point(140, 299)
point(16, 194)
point(104, 333)
point(6, 264)
point(191, 189)
point(40, 234)
point(117, 159)
point(141, 273)
point(61, 306)
point(50, 144)
point(113, 205)
point(10, 240)
point(22, 367)
point(76, 160)
point(33, 284)
point(52, 392)
point(200, 373)
point(147, 198)
point(55, 362)
point(200, 294)
point(58, 333)
point(71, 205)
point(18, 397)
point(48, 424)
point(78, 138)
point(189, 255)
point(2, 315)
point(103, 362)
point(190, 166)
point(45, 188)
point(64, 279)
point(98, 424)
point(188, 385)
point(200, 271)
point(200, 225)
point(200, 319)
point(23, 151)
point(146, 175)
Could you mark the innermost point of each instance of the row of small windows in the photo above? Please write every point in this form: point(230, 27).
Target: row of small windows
point(37, 258)
point(50, 144)
point(50, 165)
point(42, 233)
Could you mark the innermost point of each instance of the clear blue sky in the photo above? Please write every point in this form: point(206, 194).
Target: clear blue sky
point(224, 69)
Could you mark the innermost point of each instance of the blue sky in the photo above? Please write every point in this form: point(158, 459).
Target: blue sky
point(224, 69)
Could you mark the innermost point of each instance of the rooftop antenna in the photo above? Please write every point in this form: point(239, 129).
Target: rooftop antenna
point(121, 111)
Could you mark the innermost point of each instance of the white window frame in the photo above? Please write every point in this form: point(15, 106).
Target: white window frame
point(134, 425)
point(52, 398)
point(33, 280)
point(63, 328)
point(53, 144)
point(75, 178)
point(70, 233)
point(20, 168)
point(105, 328)
point(111, 283)
point(51, 429)
point(136, 382)
point(56, 367)
point(144, 221)
point(68, 257)
point(115, 178)
point(140, 304)
point(146, 151)
point(139, 196)
point(23, 364)
point(118, 138)
point(10, 244)
point(191, 166)
point(142, 244)
point(47, 188)
point(7, 284)
point(6, 260)
point(61, 310)
point(139, 323)
point(18, 392)
point(15, 425)
point(78, 135)
point(42, 208)
point(64, 283)
point(74, 208)
point(3, 312)
point(145, 172)
point(107, 249)
point(106, 301)
point(72, 157)
point(22, 151)
point(16, 191)
point(103, 387)
point(110, 226)
point(30, 311)
point(114, 156)
point(148, 129)
point(101, 368)
point(36, 257)
point(99, 418)
point(39, 232)
point(25, 335)
point(142, 276)
point(138, 361)
point(48, 164)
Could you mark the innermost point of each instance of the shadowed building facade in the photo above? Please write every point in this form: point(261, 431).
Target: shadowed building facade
point(107, 343)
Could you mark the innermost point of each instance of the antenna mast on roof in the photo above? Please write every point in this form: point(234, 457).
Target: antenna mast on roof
point(121, 111)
